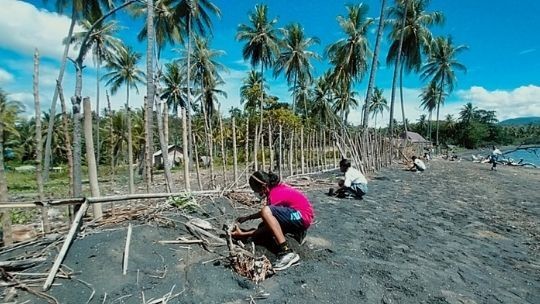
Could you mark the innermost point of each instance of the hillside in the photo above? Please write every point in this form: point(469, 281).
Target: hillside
point(519, 121)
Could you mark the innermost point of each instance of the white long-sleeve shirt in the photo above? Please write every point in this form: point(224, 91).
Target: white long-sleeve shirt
point(353, 176)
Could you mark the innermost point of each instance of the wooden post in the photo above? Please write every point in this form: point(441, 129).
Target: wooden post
point(271, 147)
point(223, 156)
point(302, 155)
point(235, 153)
point(185, 143)
point(247, 151)
point(256, 148)
point(291, 152)
point(65, 247)
point(126, 250)
point(90, 156)
point(39, 177)
point(263, 154)
point(280, 161)
point(196, 151)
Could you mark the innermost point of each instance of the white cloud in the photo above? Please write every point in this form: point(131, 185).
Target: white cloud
point(5, 76)
point(521, 101)
point(23, 27)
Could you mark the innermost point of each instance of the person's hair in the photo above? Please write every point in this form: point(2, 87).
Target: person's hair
point(259, 179)
point(345, 163)
point(414, 157)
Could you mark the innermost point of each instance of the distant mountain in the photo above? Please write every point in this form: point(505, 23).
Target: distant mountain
point(521, 121)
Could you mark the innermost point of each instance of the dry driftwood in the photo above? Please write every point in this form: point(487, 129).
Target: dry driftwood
point(20, 264)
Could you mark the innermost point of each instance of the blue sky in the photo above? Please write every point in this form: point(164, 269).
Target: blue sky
point(503, 59)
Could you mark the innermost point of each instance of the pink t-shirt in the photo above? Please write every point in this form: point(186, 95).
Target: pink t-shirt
point(287, 196)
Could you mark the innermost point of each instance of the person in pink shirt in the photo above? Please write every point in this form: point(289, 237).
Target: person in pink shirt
point(288, 212)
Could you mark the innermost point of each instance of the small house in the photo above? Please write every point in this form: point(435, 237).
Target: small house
point(174, 155)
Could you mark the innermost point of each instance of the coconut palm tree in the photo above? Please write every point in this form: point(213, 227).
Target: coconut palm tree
point(195, 13)
point(321, 108)
point(410, 35)
point(80, 9)
point(124, 71)
point(168, 28)
point(430, 99)
point(440, 68)
point(103, 45)
point(374, 63)
point(295, 58)
point(349, 55)
point(378, 104)
point(301, 96)
point(250, 91)
point(261, 47)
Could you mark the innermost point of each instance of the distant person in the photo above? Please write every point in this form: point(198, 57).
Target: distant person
point(493, 157)
point(288, 211)
point(354, 185)
point(418, 165)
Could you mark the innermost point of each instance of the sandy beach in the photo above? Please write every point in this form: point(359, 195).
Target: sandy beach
point(457, 233)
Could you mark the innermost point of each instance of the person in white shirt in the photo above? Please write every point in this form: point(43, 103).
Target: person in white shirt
point(418, 165)
point(493, 157)
point(353, 186)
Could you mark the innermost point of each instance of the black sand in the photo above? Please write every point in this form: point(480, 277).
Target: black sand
point(457, 233)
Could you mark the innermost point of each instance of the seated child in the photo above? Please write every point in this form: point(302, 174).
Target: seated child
point(353, 186)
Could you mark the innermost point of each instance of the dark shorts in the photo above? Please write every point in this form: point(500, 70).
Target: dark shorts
point(289, 219)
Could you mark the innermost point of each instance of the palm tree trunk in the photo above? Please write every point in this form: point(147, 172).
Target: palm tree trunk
point(259, 132)
point(246, 152)
point(280, 153)
point(429, 125)
point(401, 97)
point(438, 107)
point(111, 141)
point(98, 67)
point(302, 157)
point(270, 147)
point(5, 214)
point(65, 127)
point(90, 156)
point(164, 149)
point(374, 64)
point(187, 160)
point(47, 159)
point(188, 105)
point(149, 93)
point(76, 102)
point(131, 185)
point(396, 66)
point(166, 125)
point(39, 176)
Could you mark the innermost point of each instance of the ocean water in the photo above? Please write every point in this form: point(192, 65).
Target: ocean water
point(527, 155)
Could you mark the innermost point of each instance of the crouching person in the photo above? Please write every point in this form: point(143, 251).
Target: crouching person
point(288, 211)
point(354, 185)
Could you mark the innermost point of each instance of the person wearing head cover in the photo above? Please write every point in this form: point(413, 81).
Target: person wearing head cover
point(288, 211)
point(354, 185)
point(418, 164)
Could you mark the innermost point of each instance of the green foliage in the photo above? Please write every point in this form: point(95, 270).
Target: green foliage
point(185, 202)
point(23, 215)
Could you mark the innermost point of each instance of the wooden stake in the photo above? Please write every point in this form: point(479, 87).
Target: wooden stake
point(90, 155)
point(235, 153)
point(65, 246)
point(126, 250)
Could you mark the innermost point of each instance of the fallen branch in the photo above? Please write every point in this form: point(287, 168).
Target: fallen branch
point(20, 264)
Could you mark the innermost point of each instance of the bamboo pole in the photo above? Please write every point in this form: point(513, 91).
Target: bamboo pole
point(247, 151)
point(280, 161)
point(65, 247)
point(39, 176)
point(271, 148)
point(302, 155)
point(197, 169)
point(223, 156)
point(126, 250)
point(291, 152)
point(185, 143)
point(235, 153)
point(263, 150)
point(90, 156)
